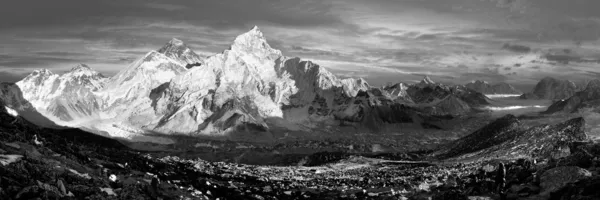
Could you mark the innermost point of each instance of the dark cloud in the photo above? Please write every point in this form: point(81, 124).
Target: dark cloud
point(516, 48)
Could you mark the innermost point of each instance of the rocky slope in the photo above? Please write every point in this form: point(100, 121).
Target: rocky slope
point(552, 89)
point(486, 88)
point(588, 98)
point(504, 139)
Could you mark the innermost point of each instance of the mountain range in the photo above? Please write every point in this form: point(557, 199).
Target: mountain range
point(249, 87)
point(486, 88)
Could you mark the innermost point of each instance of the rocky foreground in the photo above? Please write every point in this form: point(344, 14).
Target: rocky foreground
point(72, 164)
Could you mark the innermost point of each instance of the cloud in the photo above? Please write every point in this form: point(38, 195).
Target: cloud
point(380, 38)
point(516, 48)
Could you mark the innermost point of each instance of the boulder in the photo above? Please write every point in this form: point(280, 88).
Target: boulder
point(557, 178)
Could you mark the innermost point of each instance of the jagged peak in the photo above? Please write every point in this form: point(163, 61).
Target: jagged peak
point(174, 46)
point(251, 41)
point(175, 42)
point(479, 82)
point(41, 72)
point(427, 80)
point(82, 70)
point(81, 67)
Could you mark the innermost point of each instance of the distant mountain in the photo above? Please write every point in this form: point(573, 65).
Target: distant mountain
point(588, 98)
point(398, 92)
point(552, 89)
point(486, 88)
point(427, 91)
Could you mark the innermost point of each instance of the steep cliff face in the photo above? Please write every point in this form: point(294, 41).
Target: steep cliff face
point(551, 88)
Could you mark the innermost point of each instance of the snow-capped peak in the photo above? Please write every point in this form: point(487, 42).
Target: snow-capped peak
point(174, 46)
point(178, 51)
point(253, 41)
point(80, 67)
point(175, 42)
point(41, 72)
point(479, 82)
point(427, 80)
point(82, 70)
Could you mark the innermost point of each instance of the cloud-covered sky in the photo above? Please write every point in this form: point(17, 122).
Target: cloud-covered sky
point(455, 41)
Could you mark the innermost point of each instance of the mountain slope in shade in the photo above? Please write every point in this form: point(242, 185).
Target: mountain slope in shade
point(588, 98)
point(13, 98)
point(551, 88)
point(494, 133)
point(486, 88)
point(503, 139)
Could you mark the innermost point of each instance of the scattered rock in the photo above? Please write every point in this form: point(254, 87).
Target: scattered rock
point(13, 145)
point(108, 191)
point(61, 187)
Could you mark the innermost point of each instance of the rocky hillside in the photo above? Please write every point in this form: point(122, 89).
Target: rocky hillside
point(497, 132)
point(588, 98)
point(486, 88)
point(506, 140)
point(552, 89)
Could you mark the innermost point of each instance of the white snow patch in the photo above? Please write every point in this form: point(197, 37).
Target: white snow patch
point(86, 176)
point(12, 112)
point(495, 96)
point(513, 107)
point(7, 159)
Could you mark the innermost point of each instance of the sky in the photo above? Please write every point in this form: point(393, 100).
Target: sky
point(383, 41)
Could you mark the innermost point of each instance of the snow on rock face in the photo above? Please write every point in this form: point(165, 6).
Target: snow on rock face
point(65, 97)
